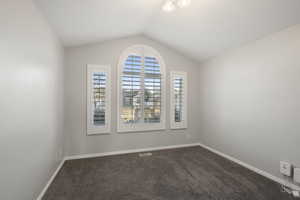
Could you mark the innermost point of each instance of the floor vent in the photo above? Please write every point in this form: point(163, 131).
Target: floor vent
point(145, 154)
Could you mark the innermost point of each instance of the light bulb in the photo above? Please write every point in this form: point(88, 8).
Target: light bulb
point(169, 6)
point(183, 3)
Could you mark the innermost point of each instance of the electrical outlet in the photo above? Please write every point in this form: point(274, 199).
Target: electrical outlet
point(297, 175)
point(296, 194)
point(59, 154)
point(285, 168)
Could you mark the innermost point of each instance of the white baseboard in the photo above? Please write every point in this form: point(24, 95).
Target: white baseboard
point(129, 151)
point(51, 180)
point(252, 168)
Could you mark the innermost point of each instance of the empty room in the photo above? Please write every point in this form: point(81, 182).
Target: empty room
point(150, 99)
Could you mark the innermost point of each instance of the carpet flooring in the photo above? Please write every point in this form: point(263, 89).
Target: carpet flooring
point(179, 174)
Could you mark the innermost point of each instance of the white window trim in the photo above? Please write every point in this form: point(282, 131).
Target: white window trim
point(144, 126)
point(183, 123)
point(92, 129)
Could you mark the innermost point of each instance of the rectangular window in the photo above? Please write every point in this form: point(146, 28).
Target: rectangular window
point(98, 99)
point(178, 100)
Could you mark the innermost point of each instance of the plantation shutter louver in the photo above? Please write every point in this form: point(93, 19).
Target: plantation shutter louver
point(152, 95)
point(178, 100)
point(178, 97)
point(99, 87)
point(141, 85)
point(98, 99)
point(131, 89)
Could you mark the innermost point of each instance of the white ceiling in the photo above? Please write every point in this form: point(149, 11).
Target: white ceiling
point(205, 29)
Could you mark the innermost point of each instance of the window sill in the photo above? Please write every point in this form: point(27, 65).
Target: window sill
point(139, 129)
point(97, 132)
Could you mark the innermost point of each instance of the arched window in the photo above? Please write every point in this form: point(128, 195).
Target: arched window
point(141, 90)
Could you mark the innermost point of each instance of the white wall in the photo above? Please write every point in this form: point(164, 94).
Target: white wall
point(250, 101)
point(77, 58)
point(31, 103)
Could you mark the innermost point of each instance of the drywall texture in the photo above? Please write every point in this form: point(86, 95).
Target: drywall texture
point(250, 101)
point(77, 142)
point(31, 103)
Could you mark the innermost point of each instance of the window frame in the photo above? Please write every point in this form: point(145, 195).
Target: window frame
point(91, 128)
point(184, 123)
point(141, 50)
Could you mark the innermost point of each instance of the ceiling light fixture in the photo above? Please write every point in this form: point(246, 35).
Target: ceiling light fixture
point(171, 5)
point(183, 3)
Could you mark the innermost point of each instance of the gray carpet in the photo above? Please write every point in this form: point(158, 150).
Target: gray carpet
point(179, 174)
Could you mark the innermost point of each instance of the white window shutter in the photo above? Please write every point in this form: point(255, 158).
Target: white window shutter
point(178, 100)
point(98, 99)
point(141, 89)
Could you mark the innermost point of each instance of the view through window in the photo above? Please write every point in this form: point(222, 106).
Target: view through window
point(141, 90)
point(178, 95)
point(99, 85)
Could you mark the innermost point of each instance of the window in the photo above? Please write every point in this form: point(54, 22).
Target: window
point(141, 90)
point(98, 99)
point(178, 100)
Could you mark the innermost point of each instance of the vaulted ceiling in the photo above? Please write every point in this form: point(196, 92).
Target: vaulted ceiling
point(204, 29)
